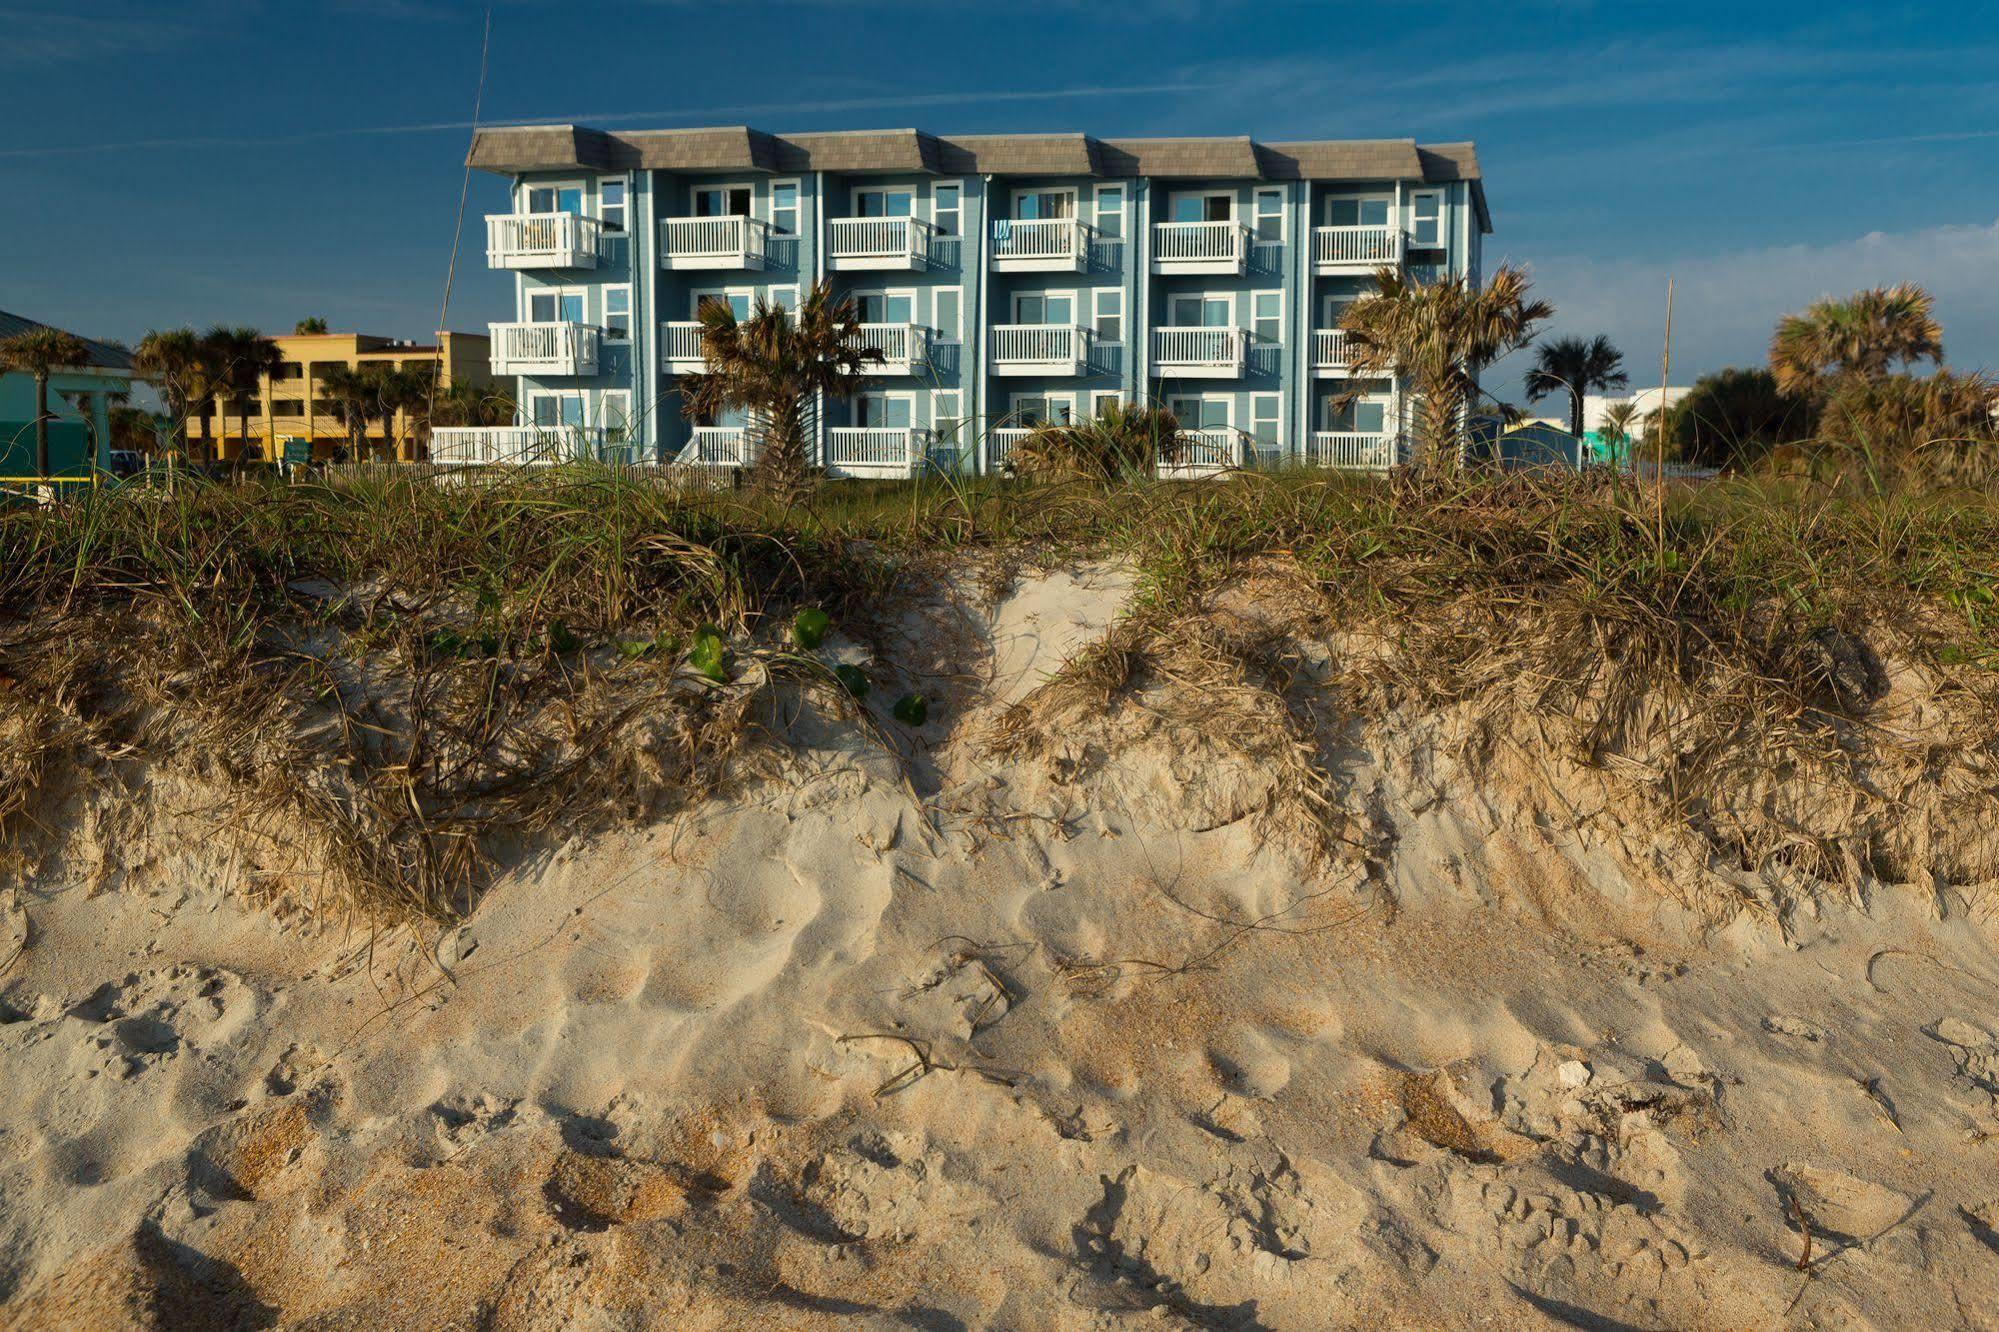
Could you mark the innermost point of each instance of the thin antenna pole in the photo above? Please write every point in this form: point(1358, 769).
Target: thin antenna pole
point(1659, 420)
point(458, 229)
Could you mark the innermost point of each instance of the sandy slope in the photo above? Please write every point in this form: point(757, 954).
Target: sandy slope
point(982, 1048)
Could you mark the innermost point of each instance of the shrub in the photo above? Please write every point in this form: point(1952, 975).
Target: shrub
point(1121, 440)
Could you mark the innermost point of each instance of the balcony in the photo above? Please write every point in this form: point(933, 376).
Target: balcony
point(1355, 249)
point(1199, 453)
point(1000, 444)
point(680, 348)
point(1330, 355)
point(1198, 353)
point(542, 240)
point(879, 451)
point(718, 446)
point(545, 349)
point(1041, 245)
point(1357, 452)
point(516, 446)
point(873, 244)
point(714, 243)
point(1040, 349)
point(1200, 247)
point(905, 348)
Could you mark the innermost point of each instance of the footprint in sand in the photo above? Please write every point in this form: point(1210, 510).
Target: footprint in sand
point(1797, 1027)
point(1973, 1047)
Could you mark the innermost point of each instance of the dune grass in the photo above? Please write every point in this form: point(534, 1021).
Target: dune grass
point(421, 673)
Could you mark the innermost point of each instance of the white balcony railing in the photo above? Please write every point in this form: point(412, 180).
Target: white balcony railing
point(545, 349)
point(714, 242)
point(1199, 247)
point(1040, 349)
point(520, 445)
point(1329, 349)
point(680, 347)
point(1001, 442)
point(1202, 453)
point(1212, 352)
point(875, 450)
point(542, 240)
point(1041, 244)
point(904, 347)
point(718, 446)
point(878, 242)
point(1357, 248)
point(1363, 452)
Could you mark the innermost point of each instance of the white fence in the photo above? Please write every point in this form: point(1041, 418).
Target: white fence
point(680, 344)
point(1329, 349)
point(874, 450)
point(1055, 239)
point(900, 344)
point(542, 240)
point(1204, 243)
point(1370, 453)
point(1201, 452)
point(1001, 442)
point(900, 241)
point(714, 242)
point(1065, 345)
point(1356, 246)
point(545, 349)
point(519, 445)
point(718, 446)
point(1208, 348)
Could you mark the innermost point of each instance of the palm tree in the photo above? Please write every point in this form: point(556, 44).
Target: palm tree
point(40, 352)
point(1575, 366)
point(1864, 335)
point(404, 394)
point(309, 324)
point(774, 366)
point(171, 360)
point(467, 404)
point(351, 393)
point(1620, 422)
point(244, 358)
point(1733, 417)
point(1439, 336)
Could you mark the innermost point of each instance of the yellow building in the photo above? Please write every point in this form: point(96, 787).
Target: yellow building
point(292, 404)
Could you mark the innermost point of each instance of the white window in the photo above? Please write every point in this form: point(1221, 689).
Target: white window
point(1334, 308)
point(722, 201)
point(1270, 216)
point(1044, 307)
point(740, 300)
point(1110, 211)
point(1426, 219)
point(1349, 211)
point(946, 413)
point(886, 307)
point(1199, 310)
point(885, 411)
point(554, 197)
point(1110, 314)
point(1266, 420)
point(1203, 206)
point(555, 305)
point(1202, 411)
point(784, 207)
point(549, 410)
point(1267, 317)
point(949, 301)
point(1102, 400)
point(945, 206)
point(617, 314)
point(611, 203)
point(616, 415)
point(785, 299)
point(1032, 204)
point(1033, 409)
point(1355, 416)
point(898, 202)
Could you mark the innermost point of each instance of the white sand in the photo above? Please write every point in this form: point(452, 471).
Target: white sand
point(1511, 1084)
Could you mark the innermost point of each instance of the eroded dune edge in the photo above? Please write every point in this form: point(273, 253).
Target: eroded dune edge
point(1217, 971)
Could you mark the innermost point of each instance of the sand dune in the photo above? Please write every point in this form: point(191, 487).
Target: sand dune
point(1076, 1033)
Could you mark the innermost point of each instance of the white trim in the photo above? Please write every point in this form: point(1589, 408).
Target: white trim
point(1256, 215)
point(951, 337)
point(698, 294)
point(1227, 400)
point(604, 400)
point(938, 400)
point(1394, 207)
point(886, 395)
point(557, 395)
point(1097, 296)
point(1441, 242)
point(854, 199)
point(1256, 295)
point(1066, 398)
point(1173, 300)
point(1017, 194)
point(1075, 302)
point(931, 199)
point(1174, 197)
point(1098, 211)
point(726, 187)
point(631, 324)
point(1277, 420)
point(797, 206)
point(886, 293)
point(626, 181)
point(529, 293)
point(581, 185)
point(1098, 397)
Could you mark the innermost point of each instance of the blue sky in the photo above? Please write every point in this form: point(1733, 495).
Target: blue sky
point(254, 161)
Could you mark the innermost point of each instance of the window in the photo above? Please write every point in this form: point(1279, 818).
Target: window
point(722, 201)
point(1044, 307)
point(1198, 311)
point(739, 301)
point(1204, 207)
point(1102, 401)
point(548, 410)
point(288, 370)
point(1031, 204)
point(287, 407)
point(1200, 412)
point(1110, 211)
point(551, 307)
point(1356, 416)
point(945, 412)
point(1270, 216)
point(884, 203)
point(1264, 411)
point(555, 199)
point(944, 208)
point(949, 300)
point(1268, 317)
point(1426, 211)
point(1033, 409)
point(884, 411)
point(886, 307)
point(785, 299)
point(784, 207)
point(617, 314)
point(1351, 212)
point(1110, 314)
point(611, 203)
point(617, 415)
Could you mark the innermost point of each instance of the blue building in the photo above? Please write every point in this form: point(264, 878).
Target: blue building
point(1007, 279)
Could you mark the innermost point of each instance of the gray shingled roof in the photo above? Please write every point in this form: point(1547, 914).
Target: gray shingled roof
point(103, 355)
point(510, 149)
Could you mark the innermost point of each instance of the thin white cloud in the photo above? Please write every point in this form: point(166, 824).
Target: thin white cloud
point(40, 37)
